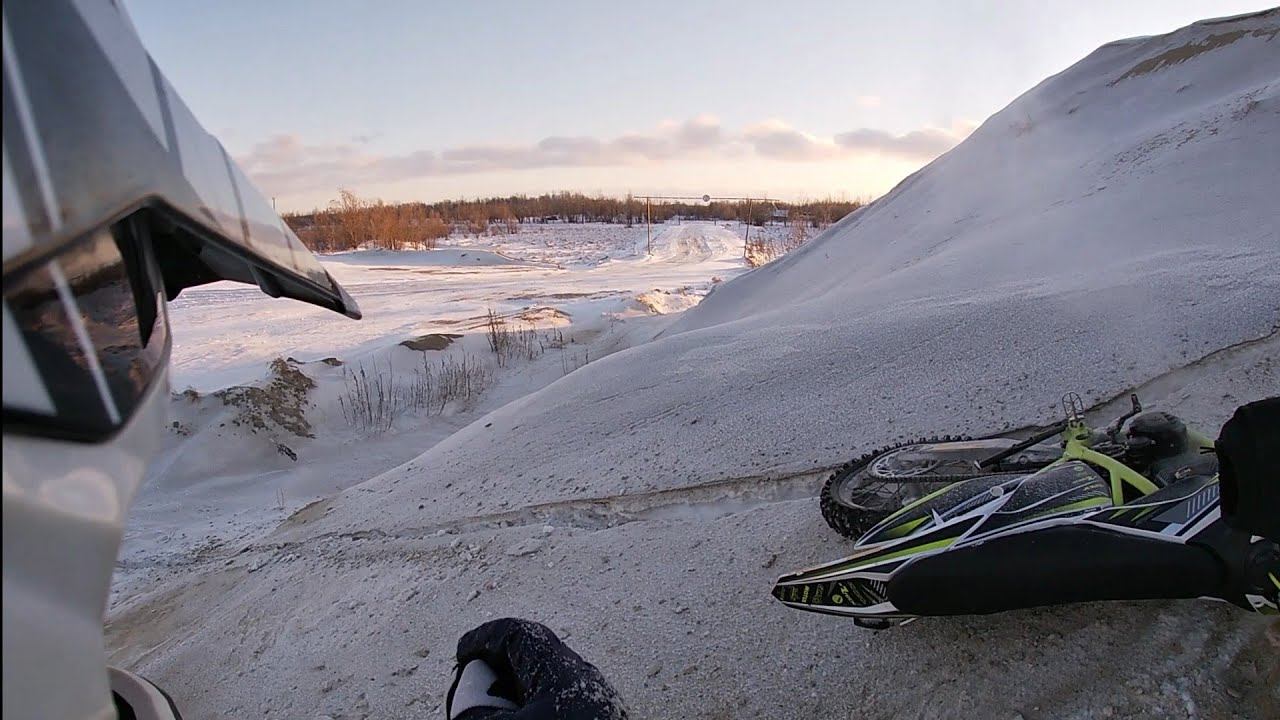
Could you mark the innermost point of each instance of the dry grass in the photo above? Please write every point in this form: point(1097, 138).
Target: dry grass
point(369, 402)
point(373, 397)
point(762, 250)
point(571, 359)
point(508, 342)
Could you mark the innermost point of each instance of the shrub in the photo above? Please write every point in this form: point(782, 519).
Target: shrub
point(508, 343)
point(373, 398)
point(350, 222)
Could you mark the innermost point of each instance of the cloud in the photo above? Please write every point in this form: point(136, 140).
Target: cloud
point(867, 101)
point(703, 131)
point(776, 140)
point(923, 144)
point(286, 164)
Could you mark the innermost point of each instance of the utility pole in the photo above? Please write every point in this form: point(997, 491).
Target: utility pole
point(648, 228)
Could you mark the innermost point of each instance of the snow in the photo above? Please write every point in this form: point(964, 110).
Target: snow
point(440, 257)
point(226, 333)
point(1113, 228)
point(697, 242)
point(219, 481)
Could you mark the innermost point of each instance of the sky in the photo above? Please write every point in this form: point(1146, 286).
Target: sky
point(428, 101)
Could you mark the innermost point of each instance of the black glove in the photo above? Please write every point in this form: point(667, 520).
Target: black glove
point(1249, 465)
point(514, 669)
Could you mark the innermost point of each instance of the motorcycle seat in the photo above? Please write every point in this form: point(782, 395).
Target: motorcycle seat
point(1168, 471)
point(1181, 485)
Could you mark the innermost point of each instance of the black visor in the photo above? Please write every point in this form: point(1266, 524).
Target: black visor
point(85, 336)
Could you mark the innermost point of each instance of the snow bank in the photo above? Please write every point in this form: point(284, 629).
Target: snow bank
point(661, 302)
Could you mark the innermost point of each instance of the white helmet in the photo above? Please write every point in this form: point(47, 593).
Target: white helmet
point(115, 200)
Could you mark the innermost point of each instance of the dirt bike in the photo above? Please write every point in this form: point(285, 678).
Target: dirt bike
point(959, 526)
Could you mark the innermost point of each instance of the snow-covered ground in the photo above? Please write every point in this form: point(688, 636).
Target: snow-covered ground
point(226, 333)
point(226, 477)
point(1114, 228)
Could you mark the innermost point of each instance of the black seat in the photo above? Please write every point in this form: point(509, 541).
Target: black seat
point(1180, 479)
point(1168, 471)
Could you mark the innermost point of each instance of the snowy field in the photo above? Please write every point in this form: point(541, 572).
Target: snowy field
point(226, 333)
point(579, 292)
point(1113, 229)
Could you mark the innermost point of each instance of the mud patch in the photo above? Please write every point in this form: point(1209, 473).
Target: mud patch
point(532, 295)
point(330, 361)
point(430, 341)
point(281, 404)
point(1186, 52)
point(542, 314)
point(311, 511)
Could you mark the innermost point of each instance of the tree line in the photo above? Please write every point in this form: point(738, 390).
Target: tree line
point(350, 221)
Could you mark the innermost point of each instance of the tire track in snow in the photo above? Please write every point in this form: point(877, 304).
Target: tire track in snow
point(698, 502)
point(702, 502)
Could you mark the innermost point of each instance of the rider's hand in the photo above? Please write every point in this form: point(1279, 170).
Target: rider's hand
point(519, 670)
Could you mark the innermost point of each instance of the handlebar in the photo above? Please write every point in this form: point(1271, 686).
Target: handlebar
point(1112, 431)
point(1039, 437)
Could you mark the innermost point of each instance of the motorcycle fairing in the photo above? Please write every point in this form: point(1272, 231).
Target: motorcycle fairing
point(1002, 542)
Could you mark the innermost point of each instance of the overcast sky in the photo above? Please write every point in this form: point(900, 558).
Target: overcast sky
point(425, 100)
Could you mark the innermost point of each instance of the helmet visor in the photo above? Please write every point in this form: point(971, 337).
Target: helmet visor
point(85, 335)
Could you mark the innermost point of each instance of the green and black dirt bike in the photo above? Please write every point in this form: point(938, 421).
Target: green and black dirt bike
point(1137, 510)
